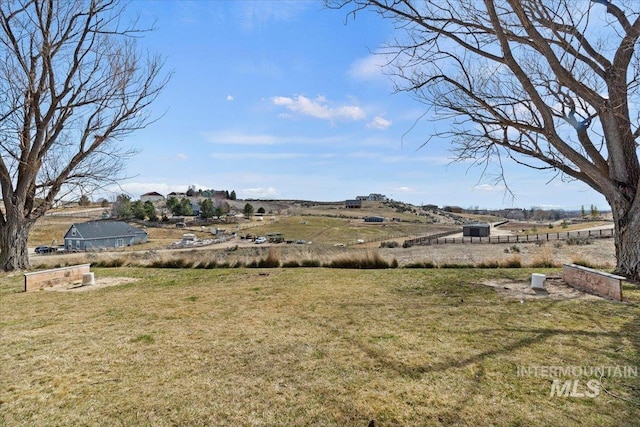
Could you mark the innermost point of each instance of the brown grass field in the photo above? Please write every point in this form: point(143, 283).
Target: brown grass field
point(309, 347)
point(316, 346)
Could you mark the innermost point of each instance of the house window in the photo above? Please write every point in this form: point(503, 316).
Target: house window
point(119, 243)
point(73, 231)
point(78, 244)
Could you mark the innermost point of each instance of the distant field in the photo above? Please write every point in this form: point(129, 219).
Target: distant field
point(319, 228)
point(316, 347)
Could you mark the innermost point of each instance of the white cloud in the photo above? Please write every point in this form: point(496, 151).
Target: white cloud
point(259, 193)
point(257, 14)
point(232, 137)
point(405, 189)
point(181, 156)
point(319, 108)
point(368, 68)
point(379, 122)
point(488, 187)
point(258, 156)
point(229, 98)
point(364, 155)
point(239, 138)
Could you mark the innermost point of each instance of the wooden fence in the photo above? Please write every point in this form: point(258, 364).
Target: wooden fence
point(524, 238)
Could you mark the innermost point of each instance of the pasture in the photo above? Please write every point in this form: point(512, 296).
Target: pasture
point(310, 346)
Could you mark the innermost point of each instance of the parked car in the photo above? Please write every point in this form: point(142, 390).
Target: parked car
point(44, 249)
point(261, 240)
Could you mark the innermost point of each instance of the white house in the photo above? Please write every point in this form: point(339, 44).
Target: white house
point(152, 197)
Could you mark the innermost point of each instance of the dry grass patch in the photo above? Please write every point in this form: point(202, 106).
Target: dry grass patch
point(307, 347)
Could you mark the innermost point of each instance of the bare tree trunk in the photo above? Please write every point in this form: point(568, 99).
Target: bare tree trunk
point(627, 239)
point(14, 232)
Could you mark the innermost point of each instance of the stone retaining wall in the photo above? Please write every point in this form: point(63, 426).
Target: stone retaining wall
point(593, 281)
point(56, 276)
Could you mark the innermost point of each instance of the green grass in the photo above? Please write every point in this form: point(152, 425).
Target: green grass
point(308, 346)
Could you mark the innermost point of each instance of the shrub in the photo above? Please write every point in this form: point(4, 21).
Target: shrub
point(207, 264)
point(311, 263)
point(369, 261)
point(579, 241)
point(488, 264)
point(425, 264)
point(172, 263)
point(543, 262)
point(272, 260)
point(513, 262)
point(108, 263)
point(456, 265)
point(389, 244)
point(583, 262)
point(290, 264)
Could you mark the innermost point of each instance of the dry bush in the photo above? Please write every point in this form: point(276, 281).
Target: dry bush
point(369, 260)
point(488, 264)
point(583, 262)
point(514, 262)
point(421, 264)
point(544, 259)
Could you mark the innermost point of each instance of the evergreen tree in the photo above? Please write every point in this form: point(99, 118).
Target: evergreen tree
point(84, 201)
point(137, 210)
point(186, 207)
point(150, 211)
point(248, 210)
point(174, 206)
point(206, 209)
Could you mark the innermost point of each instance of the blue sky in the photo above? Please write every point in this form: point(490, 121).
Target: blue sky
point(287, 100)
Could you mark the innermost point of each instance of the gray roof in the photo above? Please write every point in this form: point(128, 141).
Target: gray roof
point(103, 229)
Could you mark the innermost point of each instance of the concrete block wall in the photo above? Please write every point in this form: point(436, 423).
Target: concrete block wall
point(593, 281)
point(55, 276)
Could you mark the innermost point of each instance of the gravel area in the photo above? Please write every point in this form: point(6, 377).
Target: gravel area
point(600, 252)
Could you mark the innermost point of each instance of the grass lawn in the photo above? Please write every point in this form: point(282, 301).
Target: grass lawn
point(309, 347)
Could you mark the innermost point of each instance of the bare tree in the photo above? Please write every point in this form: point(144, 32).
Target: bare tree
point(549, 84)
point(73, 84)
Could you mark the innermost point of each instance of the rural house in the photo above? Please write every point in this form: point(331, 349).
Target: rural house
point(99, 235)
point(152, 197)
point(353, 204)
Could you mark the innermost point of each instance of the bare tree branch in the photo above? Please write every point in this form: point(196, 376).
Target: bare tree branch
point(75, 85)
point(553, 84)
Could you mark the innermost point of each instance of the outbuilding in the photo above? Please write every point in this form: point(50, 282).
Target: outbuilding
point(476, 230)
point(99, 235)
point(373, 219)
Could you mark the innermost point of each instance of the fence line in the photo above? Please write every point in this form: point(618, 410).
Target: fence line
point(426, 240)
point(439, 240)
